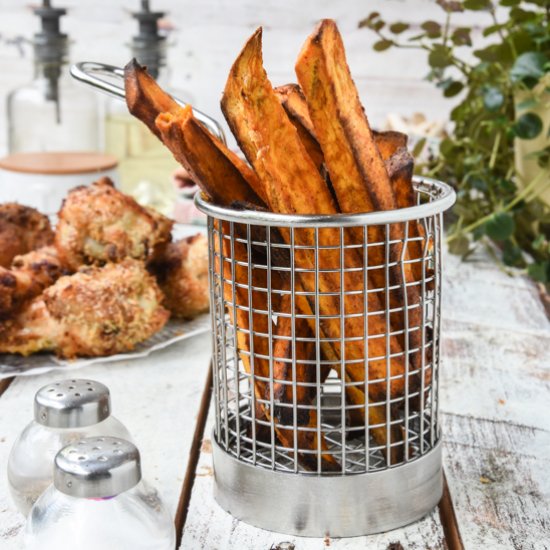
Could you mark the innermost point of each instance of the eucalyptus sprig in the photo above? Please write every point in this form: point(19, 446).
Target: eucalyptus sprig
point(494, 206)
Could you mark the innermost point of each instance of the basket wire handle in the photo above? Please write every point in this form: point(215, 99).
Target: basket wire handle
point(88, 71)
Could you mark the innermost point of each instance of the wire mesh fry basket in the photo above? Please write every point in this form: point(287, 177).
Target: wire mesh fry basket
point(326, 333)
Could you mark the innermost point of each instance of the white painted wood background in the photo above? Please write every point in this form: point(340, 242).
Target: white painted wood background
point(210, 33)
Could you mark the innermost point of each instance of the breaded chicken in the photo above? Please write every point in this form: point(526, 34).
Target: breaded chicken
point(22, 229)
point(28, 276)
point(97, 311)
point(99, 224)
point(182, 274)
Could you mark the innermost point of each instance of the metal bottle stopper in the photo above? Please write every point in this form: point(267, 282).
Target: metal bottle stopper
point(149, 45)
point(72, 404)
point(97, 467)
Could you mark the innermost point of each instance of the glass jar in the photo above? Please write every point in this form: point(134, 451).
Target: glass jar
point(52, 113)
point(64, 413)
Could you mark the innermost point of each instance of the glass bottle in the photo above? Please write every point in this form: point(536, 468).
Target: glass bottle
point(98, 500)
point(64, 412)
point(146, 166)
point(52, 113)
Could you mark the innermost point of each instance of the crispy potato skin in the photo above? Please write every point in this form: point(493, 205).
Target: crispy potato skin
point(144, 97)
point(22, 229)
point(97, 311)
point(99, 224)
point(219, 172)
point(388, 143)
point(181, 271)
point(273, 147)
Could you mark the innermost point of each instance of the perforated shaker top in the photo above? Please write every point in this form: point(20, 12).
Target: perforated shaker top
point(97, 467)
point(72, 403)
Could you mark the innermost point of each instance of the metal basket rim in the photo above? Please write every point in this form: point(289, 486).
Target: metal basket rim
point(444, 201)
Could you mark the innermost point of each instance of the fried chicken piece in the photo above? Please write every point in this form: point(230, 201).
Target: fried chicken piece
point(22, 229)
point(182, 274)
point(95, 312)
point(99, 224)
point(28, 276)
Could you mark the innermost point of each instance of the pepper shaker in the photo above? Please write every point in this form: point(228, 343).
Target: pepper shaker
point(64, 412)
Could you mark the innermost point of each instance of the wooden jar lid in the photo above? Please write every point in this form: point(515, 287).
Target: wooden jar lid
point(58, 163)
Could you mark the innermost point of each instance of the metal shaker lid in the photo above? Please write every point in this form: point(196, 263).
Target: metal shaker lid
point(97, 467)
point(72, 404)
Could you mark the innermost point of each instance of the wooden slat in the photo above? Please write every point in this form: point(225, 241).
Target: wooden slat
point(156, 397)
point(498, 477)
point(495, 388)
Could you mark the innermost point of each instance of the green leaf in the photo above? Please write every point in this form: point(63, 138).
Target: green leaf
point(500, 226)
point(367, 21)
point(382, 45)
point(477, 5)
point(528, 126)
point(529, 65)
point(492, 29)
point(540, 243)
point(461, 37)
point(459, 245)
point(511, 254)
point(432, 28)
point(521, 16)
point(398, 28)
point(539, 271)
point(477, 182)
point(446, 146)
point(439, 57)
point(454, 88)
point(418, 147)
point(478, 232)
point(509, 3)
point(493, 98)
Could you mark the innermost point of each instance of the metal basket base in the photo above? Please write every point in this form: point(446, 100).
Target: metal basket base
point(337, 506)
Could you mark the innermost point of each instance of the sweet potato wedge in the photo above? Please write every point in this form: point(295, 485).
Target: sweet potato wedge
point(293, 100)
point(294, 103)
point(355, 166)
point(145, 98)
point(388, 143)
point(272, 145)
point(220, 173)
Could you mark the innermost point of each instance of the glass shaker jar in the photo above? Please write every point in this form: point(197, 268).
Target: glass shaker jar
point(64, 412)
point(98, 500)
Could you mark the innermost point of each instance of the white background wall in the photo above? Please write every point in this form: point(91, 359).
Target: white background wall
point(209, 34)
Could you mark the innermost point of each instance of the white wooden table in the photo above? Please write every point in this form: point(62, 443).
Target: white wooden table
point(496, 428)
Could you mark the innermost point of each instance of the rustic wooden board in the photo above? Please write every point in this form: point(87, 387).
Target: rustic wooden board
point(498, 475)
point(156, 397)
point(495, 392)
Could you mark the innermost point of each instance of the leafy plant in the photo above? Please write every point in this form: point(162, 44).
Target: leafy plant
point(477, 158)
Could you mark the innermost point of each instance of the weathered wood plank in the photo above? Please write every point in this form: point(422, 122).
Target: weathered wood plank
point(156, 397)
point(498, 477)
point(495, 388)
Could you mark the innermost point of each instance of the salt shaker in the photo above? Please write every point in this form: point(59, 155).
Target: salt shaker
point(64, 412)
point(98, 500)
